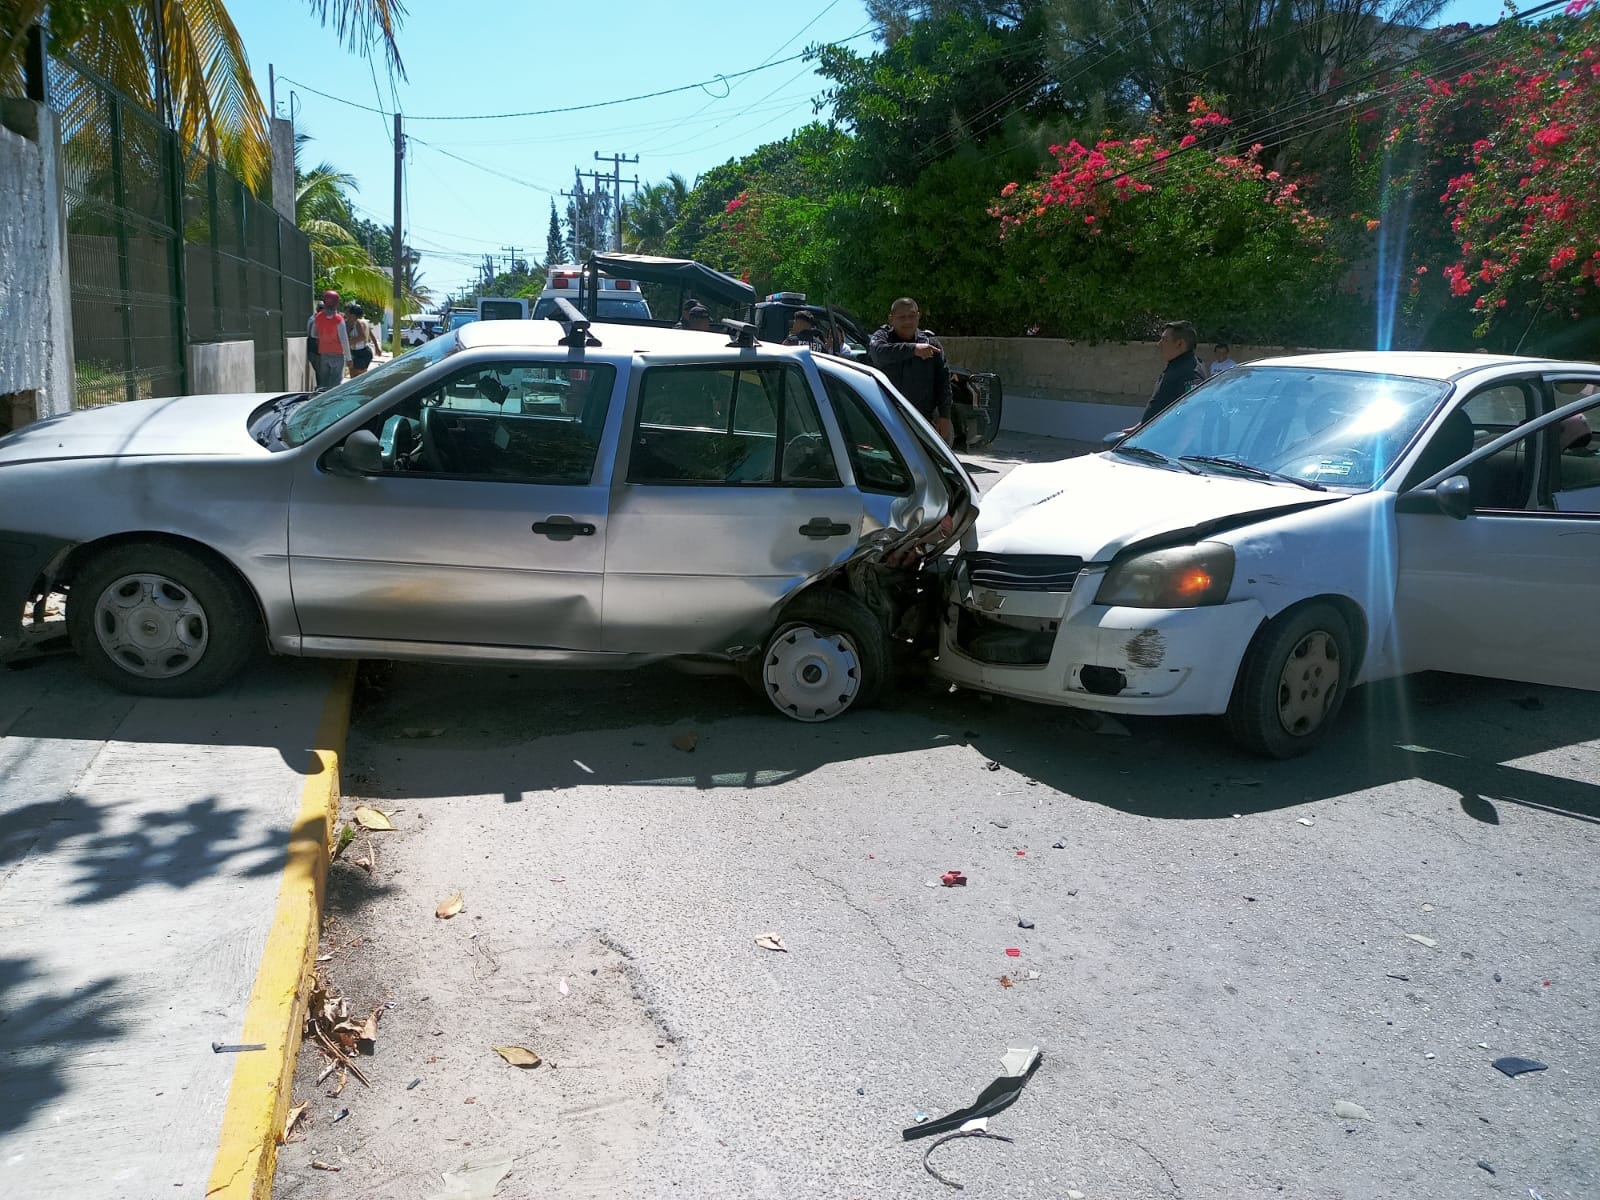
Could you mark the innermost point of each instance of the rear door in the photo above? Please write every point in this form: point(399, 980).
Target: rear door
point(487, 525)
point(728, 497)
point(1503, 592)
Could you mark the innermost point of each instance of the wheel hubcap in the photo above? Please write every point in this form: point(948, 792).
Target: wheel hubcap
point(1309, 683)
point(151, 626)
point(811, 676)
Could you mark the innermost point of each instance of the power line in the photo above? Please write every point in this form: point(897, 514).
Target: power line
point(571, 108)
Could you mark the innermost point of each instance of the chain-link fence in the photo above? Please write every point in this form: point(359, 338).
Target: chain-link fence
point(165, 249)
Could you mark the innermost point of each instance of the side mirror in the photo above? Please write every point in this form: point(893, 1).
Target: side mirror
point(1112, 438)
point(1452, 497)
point(362, 454)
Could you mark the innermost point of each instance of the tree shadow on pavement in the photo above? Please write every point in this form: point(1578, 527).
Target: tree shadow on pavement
point(105, 853)
point(518, 734)
point(43, 1034)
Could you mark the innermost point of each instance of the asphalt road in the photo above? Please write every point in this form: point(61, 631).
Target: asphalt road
point(1220, 949)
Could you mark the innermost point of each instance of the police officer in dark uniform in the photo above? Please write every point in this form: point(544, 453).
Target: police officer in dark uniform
point(1182, 373)
point(914, 361)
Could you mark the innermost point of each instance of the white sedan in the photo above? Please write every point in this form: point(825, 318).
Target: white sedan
point(1289, 530)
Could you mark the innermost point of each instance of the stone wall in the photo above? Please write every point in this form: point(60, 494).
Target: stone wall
point(35, 310)
point(1078, 390)
point(222, 368)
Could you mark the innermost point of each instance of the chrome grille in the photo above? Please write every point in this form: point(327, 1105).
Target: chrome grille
point(1024, 572)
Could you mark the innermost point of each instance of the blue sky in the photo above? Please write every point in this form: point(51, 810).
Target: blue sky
point(509, 56)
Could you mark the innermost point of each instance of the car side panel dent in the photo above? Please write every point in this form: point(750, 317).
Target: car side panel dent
point(1345, 551)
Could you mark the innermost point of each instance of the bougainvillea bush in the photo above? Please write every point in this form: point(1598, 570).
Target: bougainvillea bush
point(1509, 150)
point(1175, 223)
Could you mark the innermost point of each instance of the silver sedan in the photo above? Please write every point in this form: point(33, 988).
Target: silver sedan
point(518, 491)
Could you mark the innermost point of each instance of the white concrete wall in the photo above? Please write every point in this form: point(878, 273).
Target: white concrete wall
point(222, 368)
point(1077, 390)
point(35, 303)
point(295, 368)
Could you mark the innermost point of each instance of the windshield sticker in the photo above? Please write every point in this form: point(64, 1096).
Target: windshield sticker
point(1341, 467)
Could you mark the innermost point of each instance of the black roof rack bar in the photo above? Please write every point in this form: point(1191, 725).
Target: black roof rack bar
point(741, 333)
point(577, 325)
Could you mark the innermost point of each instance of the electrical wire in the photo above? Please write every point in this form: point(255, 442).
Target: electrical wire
point(571, 108)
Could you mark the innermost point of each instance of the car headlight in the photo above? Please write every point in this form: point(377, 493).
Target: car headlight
point(1180, 577)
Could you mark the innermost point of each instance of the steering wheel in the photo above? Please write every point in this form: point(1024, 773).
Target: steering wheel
point(435, 440)
point(397, 444)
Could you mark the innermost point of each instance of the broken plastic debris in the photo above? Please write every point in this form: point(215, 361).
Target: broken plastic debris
point(953, 878)
point(1024, 923)
point(976, 1125)
point(919, 1116)
point(1305, 820)
point(1420, 939)
point(563, 986)
point(1514, 1065)
point(1058, 845)
point(771, 941)
point(1013, 952)
point(476, 1178)
point(1485, 1166)
point(1020, 1062)
point(930, 883)
point(1349, 1110)
point(991, 765)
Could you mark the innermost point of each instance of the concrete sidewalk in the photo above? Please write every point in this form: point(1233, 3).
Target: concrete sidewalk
point(151, 903)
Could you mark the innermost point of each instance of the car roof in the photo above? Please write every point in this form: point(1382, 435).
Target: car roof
point(614, 338)
point(1415, 364)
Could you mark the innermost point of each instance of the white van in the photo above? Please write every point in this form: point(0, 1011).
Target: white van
point(619, 298)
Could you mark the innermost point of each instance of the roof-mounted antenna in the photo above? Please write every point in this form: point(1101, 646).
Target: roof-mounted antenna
point(576, 323)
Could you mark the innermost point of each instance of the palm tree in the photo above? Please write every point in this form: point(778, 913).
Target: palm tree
point(648, 218)
point(322, 211)
point(183, 59)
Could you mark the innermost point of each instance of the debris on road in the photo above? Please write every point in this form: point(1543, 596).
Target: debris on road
point(221, 1048)
point(1058, 845)
point(518, 1056)
point(686, 742)
point(1349, 1110)
point(1305, 821)
point(477, 1178)
point(991, 765)
point(318, 1165)
point(1098, 722)
point(950, 1137)
point(373, 818)
point(562, 986)
point(1485, 1166)
point(449, 906)
point(1024, 923)
point(771, 941)
point(415, 732)
point(339, 1116)
point(413, 1083)
point(953, 878)
point(1013, 952)
point(1020, 1063)
point(1513, 1065)
point(1005, 981)
point(295, 1115)
point(1422, 940)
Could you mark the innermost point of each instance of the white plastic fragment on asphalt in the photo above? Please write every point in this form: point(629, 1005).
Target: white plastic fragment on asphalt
point(1422, 939)
point(476, 1178)
point(1349, 1110)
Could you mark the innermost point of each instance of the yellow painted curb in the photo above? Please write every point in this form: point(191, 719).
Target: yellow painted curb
point(258, 1100)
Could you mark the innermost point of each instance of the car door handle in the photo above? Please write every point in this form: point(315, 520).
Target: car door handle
point(563, 529)
point(821, 527)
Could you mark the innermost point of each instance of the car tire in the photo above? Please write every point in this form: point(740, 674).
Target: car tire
point(827, 655)
point(1292, 682)
point(156, 620)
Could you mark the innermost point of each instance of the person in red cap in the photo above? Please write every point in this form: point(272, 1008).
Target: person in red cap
point(328, 341)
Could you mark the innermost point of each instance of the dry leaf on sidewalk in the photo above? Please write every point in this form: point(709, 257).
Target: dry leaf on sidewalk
point(372, 818)
point(518, 1056)
point(449, 906)
point(295, 1114)
point(771, 941)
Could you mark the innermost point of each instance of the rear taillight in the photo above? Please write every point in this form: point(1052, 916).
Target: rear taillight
point(559, 282)
point(624, 285)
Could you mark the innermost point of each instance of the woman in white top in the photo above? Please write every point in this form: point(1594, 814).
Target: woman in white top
point(362, 341)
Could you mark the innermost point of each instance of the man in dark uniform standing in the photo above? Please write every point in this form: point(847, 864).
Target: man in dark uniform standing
point(914, 361)
point(1182, 372)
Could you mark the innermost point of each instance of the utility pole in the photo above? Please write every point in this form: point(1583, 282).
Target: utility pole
point(398, 252)
point(616, 161)
point(511, 259)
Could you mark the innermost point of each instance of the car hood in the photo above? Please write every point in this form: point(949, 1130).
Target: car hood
point(1095, 507)
point(176, 425)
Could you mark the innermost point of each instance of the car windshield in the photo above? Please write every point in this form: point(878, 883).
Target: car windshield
point(1340, 429)
point(310, 418)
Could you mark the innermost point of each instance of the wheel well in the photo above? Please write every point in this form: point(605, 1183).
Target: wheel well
point(83, 554)
point(1353, 616)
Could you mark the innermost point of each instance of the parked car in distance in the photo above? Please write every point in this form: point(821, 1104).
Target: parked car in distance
point(620, 299)
point(1289, 530)
point(517, 491)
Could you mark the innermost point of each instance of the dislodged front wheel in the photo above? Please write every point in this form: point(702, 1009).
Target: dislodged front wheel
point(1310, 683)
point(828, 654)
point(154, 627)
point(810, 675)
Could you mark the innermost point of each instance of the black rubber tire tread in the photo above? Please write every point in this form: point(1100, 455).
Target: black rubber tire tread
point(1252, 717)
point(231, 617)
point(836, 612)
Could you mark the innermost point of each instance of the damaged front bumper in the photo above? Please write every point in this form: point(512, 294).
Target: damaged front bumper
point(1059, 647)
point(27, 567)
